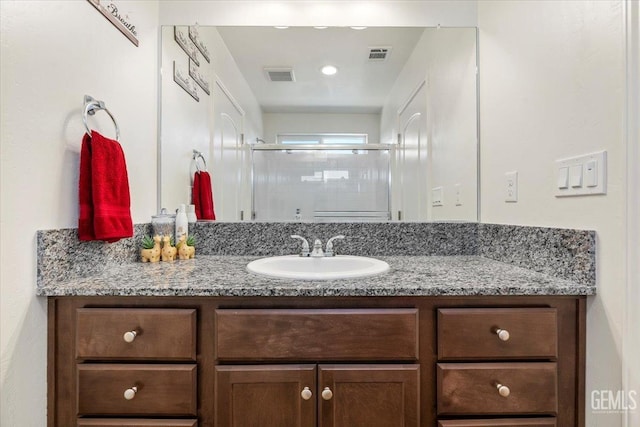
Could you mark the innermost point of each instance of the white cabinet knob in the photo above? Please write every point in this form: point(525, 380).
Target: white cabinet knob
point(503, 390)
point(503, 334)
point(130, 393)
point(327, 394)
point(130, 336)
point(306, 393)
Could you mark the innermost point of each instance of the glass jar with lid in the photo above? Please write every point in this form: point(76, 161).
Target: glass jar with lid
point(164, 223)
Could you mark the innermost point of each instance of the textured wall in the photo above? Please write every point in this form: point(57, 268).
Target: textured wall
point(552, 86)
point(53, 53)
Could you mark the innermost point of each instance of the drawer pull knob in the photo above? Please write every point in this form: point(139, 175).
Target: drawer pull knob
point(306, 393)
point(130, 393)
point(130, 336)
point(503, 334)
point(327, 394)
point(503, 390)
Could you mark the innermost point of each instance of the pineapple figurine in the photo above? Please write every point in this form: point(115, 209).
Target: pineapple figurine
point(150, 249)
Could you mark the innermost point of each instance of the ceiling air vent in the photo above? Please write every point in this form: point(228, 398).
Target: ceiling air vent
point(379, 53)
point(280, 74)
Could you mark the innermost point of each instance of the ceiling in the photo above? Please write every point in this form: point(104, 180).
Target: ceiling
point(360, 86)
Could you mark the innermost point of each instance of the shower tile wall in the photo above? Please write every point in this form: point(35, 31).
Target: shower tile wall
point(354, 183)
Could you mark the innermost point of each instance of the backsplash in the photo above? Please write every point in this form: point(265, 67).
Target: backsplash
point(367, 239)
point(566, 253)
point(562, 253)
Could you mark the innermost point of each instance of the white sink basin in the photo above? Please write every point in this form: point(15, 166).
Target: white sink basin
point(324, 268)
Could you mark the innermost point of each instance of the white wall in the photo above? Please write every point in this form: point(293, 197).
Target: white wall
point(631, 337)
point(53, 53)
point(552, 86)
point(278, 123)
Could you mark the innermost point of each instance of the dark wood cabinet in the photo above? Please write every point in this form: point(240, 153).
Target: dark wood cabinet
point(497, 388)
point(369, 395)
point(497, 333)
point(343, 396)
point(266, 362)
point(501, 422)
point(317, 334)
point(137, 389)
point(265, 396)
point(134, 422)
point(136, 334)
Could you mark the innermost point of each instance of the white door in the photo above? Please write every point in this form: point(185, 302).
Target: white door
point(412, 158)
point(227, 155)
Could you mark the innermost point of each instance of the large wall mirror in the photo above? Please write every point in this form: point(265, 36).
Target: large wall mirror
point(392, 134)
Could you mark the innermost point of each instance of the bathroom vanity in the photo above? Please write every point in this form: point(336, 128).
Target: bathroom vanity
point(445, 339)
point(344, 353)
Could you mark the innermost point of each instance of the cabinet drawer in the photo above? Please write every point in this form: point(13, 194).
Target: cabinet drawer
point(359, 334)
point(472, 388)
point(161, 389)
point(133, 422)
point(511, 422)
point(161, 334)
point(497, 333)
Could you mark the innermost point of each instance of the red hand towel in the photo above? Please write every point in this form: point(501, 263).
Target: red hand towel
point(105, 201)
point(85, 196)
point(195, 195)
point(202, 195)
point(206, 196)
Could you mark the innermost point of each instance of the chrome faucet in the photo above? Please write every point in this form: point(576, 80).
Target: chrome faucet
point(329, 251)
point(305, 245)
point(317, 249)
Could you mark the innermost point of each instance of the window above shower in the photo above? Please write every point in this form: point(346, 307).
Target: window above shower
point(322, 138)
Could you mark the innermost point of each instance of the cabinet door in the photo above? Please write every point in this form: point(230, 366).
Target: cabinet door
point(369, 395)
point(265, 396)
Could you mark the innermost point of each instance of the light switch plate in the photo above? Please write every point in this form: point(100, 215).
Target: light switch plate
point(511, 187)
point(437, 196)
point(593, 175)
point(458, 190)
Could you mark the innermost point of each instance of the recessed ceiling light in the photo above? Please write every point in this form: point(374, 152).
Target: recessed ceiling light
point(329, 70)
point(358, 28)
point(320, 28)
point(281, 27)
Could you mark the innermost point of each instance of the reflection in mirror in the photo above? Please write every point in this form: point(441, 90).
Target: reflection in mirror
point(392, 134)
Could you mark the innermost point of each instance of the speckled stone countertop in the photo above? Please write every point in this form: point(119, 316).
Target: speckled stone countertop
point(210, 275)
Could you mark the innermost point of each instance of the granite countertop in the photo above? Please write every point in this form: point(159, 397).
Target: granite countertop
point(227, 276)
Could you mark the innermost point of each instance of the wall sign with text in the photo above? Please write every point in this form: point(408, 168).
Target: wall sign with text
point(118, 18)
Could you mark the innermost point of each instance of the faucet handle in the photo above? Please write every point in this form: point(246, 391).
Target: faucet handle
point(305, 244)
point(329, 250)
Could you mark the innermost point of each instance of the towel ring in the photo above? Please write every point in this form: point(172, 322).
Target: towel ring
point(198, 155)
point(90, 107)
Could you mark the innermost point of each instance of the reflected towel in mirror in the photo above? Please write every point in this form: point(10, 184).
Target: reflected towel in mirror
point(202, 196)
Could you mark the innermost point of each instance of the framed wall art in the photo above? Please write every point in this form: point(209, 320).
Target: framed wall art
point(181, 35)
point(181, 77)
point(195, 38)
point(198, 75)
